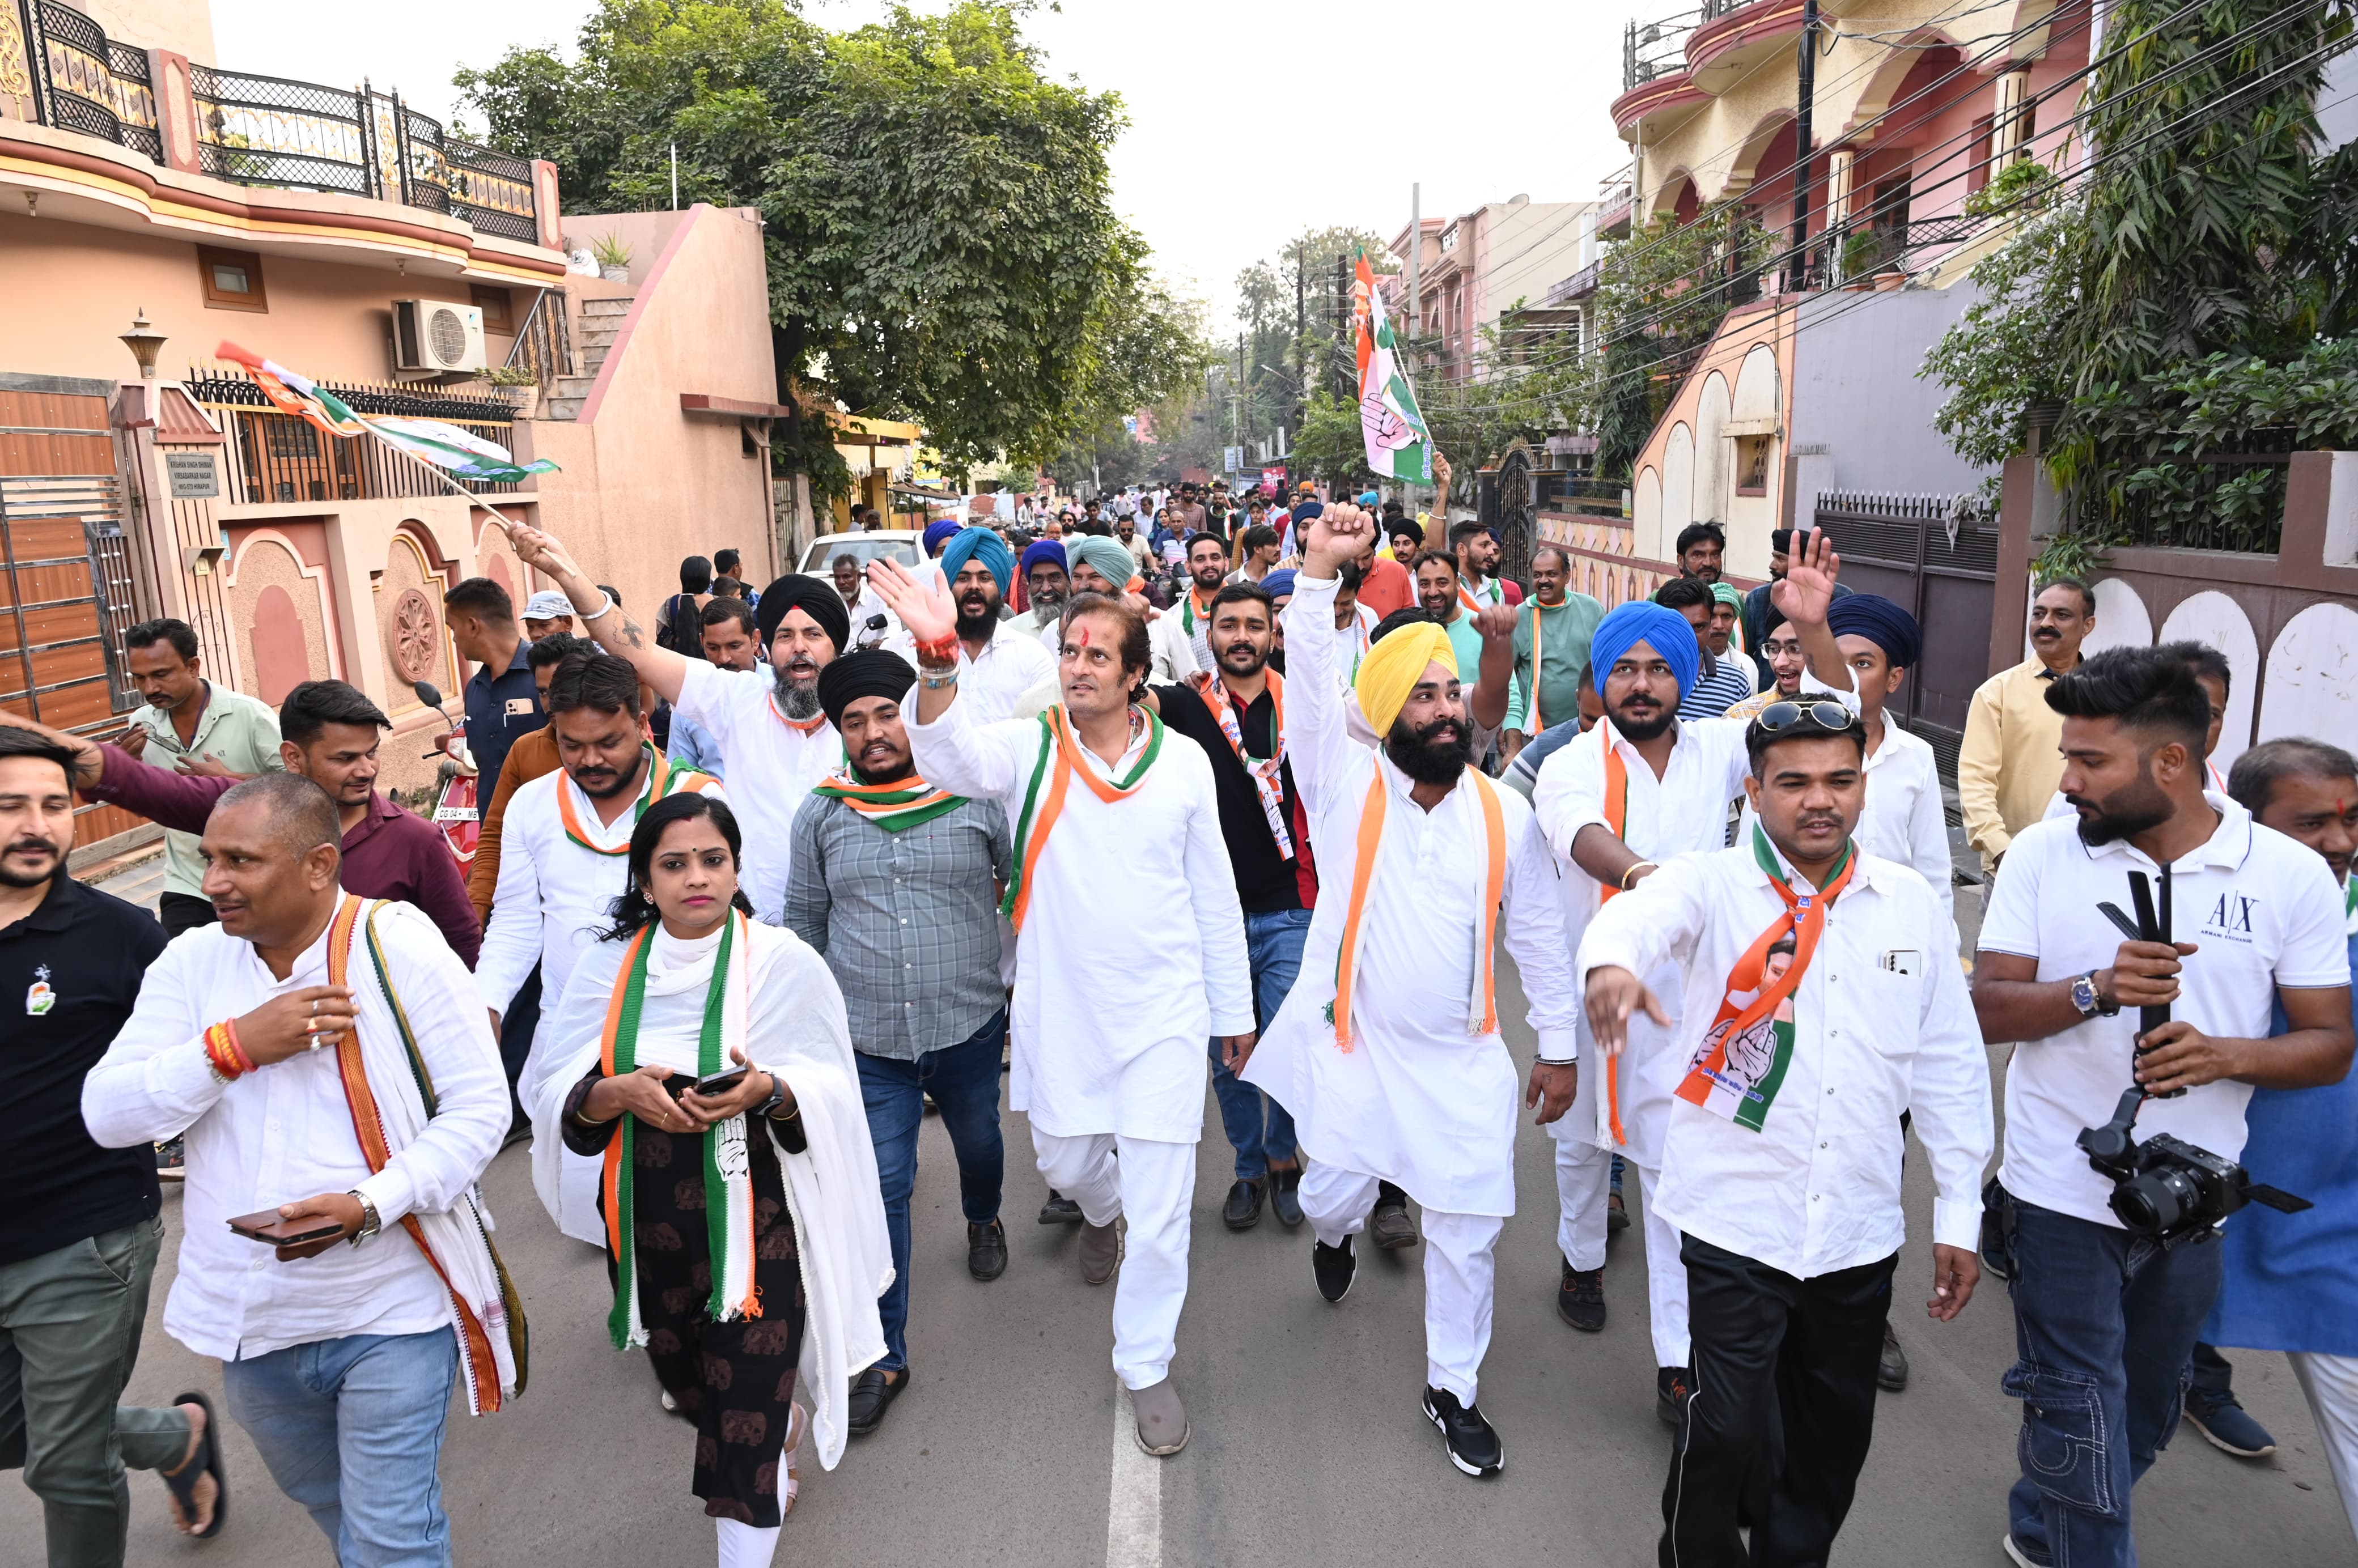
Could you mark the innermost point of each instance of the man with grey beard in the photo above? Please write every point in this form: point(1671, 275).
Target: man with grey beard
point(773, 734)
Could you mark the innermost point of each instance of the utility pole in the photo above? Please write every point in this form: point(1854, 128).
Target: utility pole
point(1806, 73)
point(1236, 397)
point(1412, 366)
point(1343, 319)
point(1301, 332)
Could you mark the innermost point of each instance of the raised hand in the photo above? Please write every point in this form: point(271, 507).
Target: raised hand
point(1496, 621)
point(1338, 534)
point(924, 606)
point(1808, 590)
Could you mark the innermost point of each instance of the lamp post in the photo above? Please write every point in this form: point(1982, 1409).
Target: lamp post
point(143, 344)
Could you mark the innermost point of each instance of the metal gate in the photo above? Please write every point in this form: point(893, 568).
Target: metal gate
point(1505, 503)
point(1920, 553)
point(65, 599)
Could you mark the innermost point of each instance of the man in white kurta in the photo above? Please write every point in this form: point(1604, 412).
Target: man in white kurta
point(1424, 1095)
point(561, 868)
point(1684, 810)
point(1115, 1093)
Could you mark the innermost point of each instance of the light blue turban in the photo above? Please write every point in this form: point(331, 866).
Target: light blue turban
point(1661, 628)
point(979, 544)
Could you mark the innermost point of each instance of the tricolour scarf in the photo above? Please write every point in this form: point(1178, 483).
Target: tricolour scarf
point(663, 777)
point(1190, 610)
point(728, 1174)
point(487, 1316)
point(1617, 821)
point(1747, 1021)
point(893, 804)
point(1482, 1007)
point(1264, 770)
point(804, 725)
point(1060, 757)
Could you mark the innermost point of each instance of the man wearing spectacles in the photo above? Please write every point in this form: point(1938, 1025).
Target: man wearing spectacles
point(1643, 786)
point(1834, 1007)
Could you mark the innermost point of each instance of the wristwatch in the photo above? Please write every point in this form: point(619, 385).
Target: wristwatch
point(2086, 997)
point(370, 1223)
point(778, 1096)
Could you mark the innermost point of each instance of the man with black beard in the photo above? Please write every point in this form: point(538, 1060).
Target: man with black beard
point(1207, 569)
point(560, 866)
point(1235, 715)
point(1388, 1051)
point(773, 732)
point(1002, 659)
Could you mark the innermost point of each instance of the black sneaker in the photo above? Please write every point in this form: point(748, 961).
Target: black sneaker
point(1242, 1211)
point(1580, 1298)
point(1059, 1210)
point(1334, 1267)
point(986, 1250)
point(1673, 1387)
point(171, 1160)
point(1473, 1446)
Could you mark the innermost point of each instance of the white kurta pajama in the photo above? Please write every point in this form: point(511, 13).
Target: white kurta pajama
point(774, 763)
point(554, 897)
point(1115, 1092)
point(1417, 1100)
point(1685, 811)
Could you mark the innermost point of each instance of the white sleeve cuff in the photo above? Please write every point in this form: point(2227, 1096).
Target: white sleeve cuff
point(1957, 1222)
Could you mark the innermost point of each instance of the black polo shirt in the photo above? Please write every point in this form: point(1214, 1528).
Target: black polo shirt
point(1266, 881)
point(500, 708)
point(73, 967)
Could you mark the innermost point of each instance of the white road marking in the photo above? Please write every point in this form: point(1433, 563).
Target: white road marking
point(1133, 1495)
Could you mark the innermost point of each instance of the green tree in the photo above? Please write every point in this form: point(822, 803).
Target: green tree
point(2187, 299)
point(941, 239)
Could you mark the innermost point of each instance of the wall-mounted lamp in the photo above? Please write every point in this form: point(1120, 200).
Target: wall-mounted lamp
point(144, 345)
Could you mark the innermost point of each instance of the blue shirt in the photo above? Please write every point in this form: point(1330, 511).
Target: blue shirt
point(2291, 1280)
point(692, 743)
point(501, 709)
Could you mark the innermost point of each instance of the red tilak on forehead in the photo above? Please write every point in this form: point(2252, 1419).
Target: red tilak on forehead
point(1081, 634)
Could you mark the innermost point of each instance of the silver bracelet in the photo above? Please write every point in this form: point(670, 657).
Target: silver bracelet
point(590, 615)
point(934, 679)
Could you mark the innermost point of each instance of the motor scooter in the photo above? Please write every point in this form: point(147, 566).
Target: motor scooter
point(455, 782)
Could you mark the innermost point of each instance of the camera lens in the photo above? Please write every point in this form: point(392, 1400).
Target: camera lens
point(2151, 1202)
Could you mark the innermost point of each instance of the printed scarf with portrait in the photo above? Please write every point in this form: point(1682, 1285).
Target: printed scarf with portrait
point(1264, 770)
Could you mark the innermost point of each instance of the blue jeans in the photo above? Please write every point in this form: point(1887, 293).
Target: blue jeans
point(963, 1081)
point(1257, 1128)
point(2104, 1323)
point(370, 1406)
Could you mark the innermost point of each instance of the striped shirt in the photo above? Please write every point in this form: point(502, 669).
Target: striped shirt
point(1723, 684)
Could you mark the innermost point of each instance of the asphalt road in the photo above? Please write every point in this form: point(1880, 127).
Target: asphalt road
point(1309, 1449)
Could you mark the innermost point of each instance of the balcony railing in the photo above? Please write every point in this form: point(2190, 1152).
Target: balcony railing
point(1656, 49)
point(269, 131)
point(275, 457)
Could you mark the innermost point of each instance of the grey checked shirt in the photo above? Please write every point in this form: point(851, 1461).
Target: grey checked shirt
point(908, 922)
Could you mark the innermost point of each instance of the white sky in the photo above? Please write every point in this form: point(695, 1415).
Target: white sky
point(1231, 103)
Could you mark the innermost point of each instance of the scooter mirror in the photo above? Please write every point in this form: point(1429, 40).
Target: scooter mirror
point(426, 693)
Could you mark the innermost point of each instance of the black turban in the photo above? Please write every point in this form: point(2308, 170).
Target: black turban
point(1880, 621)
point(813, 598)
point(871, 672)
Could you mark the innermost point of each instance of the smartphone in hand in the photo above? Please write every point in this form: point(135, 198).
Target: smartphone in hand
point(266, 1228)
point(722, 1082)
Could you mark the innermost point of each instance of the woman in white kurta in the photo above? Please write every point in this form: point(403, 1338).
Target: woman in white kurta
point(1129, 877)
point(683, 986)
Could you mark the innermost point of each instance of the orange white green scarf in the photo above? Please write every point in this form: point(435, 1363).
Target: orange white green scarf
point(1192, 610)
point(663, 777)
point(893, 805)
point(1482, 1009)
point(1264, 770)
point(1061, 758)
point(1741, 1064)
point(726, 1170)
point(1617, 821)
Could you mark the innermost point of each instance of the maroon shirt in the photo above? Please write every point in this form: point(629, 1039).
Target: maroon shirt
point(391, 853)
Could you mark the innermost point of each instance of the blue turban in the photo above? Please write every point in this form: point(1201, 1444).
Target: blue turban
point(1880, 621)
point(1277, 585)
point(979, 544)
point(1039, 550)
point(1662, 628)
point(938, 532)
point(1109, 557)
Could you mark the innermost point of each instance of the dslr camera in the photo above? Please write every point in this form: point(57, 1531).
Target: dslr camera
point(2165, 1187)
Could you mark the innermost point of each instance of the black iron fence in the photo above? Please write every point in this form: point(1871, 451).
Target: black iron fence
point(1658, 48)
point(2208, 501)
point(274, 457)
point(270, 131)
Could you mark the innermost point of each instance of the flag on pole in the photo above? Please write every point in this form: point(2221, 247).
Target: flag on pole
point(1399, 445)
point(461, 451)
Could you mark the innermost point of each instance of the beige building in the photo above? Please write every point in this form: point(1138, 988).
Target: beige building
point(1502, 259)
point(361, 243)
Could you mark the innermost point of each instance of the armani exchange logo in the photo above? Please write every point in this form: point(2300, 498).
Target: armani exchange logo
point(2231, 917)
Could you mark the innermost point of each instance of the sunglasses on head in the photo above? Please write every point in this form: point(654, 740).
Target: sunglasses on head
point(1786, 718)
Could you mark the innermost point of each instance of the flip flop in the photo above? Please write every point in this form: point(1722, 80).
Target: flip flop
point(797, 1425)
point(207, 1461)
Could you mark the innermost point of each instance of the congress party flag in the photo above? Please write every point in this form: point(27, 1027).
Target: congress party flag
point(296, 395)
point(447, 447)
point(1399, 445)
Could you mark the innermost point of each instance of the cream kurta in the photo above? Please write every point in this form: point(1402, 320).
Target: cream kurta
point(1417, 1100)
point(554, 897)
point(1132, 951)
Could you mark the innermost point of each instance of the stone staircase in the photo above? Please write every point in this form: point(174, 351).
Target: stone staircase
point(594, 335)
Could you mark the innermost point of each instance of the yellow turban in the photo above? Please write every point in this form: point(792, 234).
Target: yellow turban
point(1391, 668)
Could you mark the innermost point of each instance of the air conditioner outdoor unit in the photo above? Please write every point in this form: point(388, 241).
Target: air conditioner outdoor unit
point(436, 335)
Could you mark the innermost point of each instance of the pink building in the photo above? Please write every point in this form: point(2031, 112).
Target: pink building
point(360, 243)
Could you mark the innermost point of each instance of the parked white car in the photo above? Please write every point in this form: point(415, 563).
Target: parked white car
point(904, 545)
